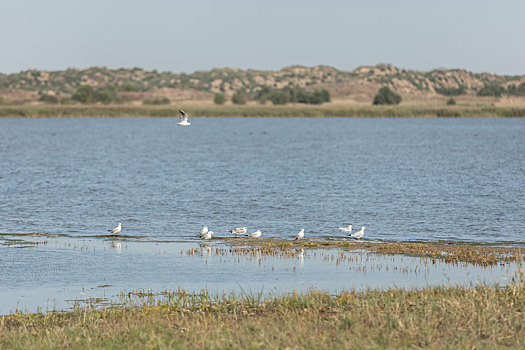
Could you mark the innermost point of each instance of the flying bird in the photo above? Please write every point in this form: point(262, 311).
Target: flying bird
point(116, 230)
point(183, 119)
point(300, 235)
point(359, 234)
point(255, 234)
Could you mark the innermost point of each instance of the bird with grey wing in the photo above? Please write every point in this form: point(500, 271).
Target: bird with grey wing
point(116, 230)
point(183, 119)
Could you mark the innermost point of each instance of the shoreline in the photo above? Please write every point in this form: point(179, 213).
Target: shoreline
point(480, 314)
point(451, 252)
point(413, 111)
point(462, 317)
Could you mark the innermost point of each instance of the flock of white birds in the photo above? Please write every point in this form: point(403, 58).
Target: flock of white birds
point(206, 234)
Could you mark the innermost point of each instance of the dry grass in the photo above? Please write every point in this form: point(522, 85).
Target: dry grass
point(449, 252)
point(66, 111)
point(481, 317)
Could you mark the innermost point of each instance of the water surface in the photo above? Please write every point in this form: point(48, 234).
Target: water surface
point(404, 179)
point(429, 179)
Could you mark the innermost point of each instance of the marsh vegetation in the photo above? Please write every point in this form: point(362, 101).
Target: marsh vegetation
point(459, 317)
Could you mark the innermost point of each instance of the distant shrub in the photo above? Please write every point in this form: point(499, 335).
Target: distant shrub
point(1, 100)
point(385, 96)
point(491, 90)
point(156, 101)
point(219, 98)
point(325, 95)
point(294, 95)
point(516, 90)
point(451, 102)
point(264, 94)
point(129, 87)
point(238, 99)
point(318, 97)
point(84, 94)
point(106, 94)
point(451, 91)
point(48, 98)
point(66, 101)
point(279, 97)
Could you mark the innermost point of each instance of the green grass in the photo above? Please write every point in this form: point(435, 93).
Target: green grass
point(258, 111)
point(455, 317)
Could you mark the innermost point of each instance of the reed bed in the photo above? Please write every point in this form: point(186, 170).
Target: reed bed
point(449, 252)
point(444, 317)
point(68, 111)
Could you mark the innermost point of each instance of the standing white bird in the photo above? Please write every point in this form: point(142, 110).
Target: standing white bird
point(239, 231)
point(359, 234)
point(183, 119)
point(300, 235)
point(346, 229)
point(255, 234)
point(208, 235)
point(116, 230)
point(203, 231)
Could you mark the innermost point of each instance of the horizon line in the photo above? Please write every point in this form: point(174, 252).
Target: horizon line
point(256, 69)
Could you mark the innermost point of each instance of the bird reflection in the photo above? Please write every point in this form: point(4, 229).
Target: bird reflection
point(300, 256)
point(117, 246)
point(205, 248)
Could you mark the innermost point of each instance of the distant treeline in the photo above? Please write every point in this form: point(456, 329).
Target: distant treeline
point(282, 96)
point(493, 90)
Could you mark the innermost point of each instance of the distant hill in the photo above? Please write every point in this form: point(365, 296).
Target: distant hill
point(360, 84)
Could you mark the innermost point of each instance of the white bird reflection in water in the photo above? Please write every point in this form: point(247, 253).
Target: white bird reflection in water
point(117, 246)
point(300, 256)
point(206, 248)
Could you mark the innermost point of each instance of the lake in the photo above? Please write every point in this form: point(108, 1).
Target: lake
point(404, 179)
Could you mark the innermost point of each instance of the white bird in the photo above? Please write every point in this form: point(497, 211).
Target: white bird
point(183, 119)
point(116, 230)
point(208, 235)
point(359, 233)
point(300, 235)
point(346, 229)
point(255, 234)
point(239, 231)
point(203, 231)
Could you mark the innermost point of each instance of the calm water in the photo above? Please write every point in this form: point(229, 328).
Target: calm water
point(424, 179)
point(429, 179)
point(67, 269)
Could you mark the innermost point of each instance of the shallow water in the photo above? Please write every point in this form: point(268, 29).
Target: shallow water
point(64, 270)
point(422, 179)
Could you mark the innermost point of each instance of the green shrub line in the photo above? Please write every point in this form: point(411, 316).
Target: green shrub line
point(72, 111)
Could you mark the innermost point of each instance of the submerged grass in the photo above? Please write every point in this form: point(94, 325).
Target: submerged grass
point(449, 252)
point(259, 111)
point(454, 317)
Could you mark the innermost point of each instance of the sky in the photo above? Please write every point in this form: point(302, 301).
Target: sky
point(185, 36)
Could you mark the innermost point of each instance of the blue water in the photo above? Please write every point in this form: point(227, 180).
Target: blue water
point(426, 179)
point(421, 179)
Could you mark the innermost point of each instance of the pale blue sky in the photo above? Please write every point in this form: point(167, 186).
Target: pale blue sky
point(184, 36)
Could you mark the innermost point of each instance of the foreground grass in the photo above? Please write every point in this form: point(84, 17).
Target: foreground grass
point(258, 111)
point(481, 317)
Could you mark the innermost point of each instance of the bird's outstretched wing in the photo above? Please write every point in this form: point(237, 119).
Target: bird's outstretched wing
point(183, 115)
